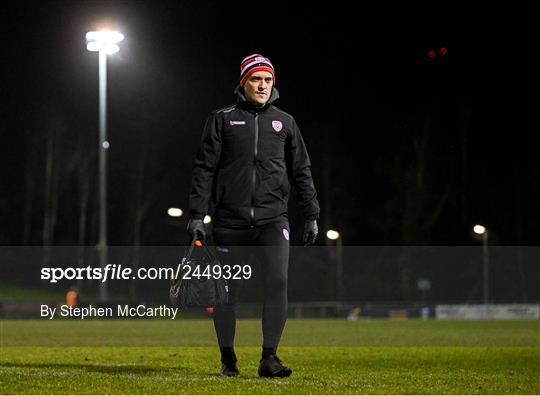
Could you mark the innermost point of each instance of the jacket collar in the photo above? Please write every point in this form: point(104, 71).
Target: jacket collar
point(244, 103)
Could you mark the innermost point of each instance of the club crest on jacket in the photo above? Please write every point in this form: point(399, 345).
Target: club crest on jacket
point(277, 125)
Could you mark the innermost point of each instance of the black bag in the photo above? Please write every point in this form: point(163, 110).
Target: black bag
point(198, 291)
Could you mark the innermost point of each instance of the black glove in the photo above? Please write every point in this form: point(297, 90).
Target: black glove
point(195, 229)
point(310, 232)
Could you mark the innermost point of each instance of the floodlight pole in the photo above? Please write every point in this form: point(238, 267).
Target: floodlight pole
point(105, 42)
point(486, 266)
point(339, 270)
point(103, 145)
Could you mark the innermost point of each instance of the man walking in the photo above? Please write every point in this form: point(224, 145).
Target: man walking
point(250, 155)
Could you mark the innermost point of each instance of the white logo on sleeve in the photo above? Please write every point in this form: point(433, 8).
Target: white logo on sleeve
point(286, 234)
point(277, 125)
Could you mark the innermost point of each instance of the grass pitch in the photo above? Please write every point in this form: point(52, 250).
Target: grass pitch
point(329, 356)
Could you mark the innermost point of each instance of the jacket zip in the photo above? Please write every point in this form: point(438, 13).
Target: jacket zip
point(252, 211)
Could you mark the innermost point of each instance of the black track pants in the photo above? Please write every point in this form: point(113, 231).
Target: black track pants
point(270, 246)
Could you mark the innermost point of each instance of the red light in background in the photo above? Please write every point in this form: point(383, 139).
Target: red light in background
point(431, 54)
point(443, 51)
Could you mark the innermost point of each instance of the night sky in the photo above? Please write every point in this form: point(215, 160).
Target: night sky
point(405, 149)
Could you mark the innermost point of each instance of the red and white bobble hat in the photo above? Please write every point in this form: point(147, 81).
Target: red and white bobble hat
point(252, 64)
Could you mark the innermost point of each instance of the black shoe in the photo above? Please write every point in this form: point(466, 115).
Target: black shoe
point(229, 368)
point(271, 366)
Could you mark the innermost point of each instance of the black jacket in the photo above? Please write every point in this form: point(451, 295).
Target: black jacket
point(248, 158)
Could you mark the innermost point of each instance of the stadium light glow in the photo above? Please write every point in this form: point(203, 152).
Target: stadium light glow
point(478, 229)
point(175, 212)
point(331, 234)
point(104, 40)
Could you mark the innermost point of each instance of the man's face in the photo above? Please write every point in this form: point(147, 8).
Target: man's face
point(258, 87)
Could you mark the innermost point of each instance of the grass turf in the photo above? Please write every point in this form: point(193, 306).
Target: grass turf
point(327, 356)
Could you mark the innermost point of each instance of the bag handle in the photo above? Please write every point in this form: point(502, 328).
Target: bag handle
point(198, 243)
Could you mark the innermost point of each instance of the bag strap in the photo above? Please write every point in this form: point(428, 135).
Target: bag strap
point(189, 250)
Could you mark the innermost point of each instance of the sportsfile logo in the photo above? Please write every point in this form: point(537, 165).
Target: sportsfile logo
point(109, 272)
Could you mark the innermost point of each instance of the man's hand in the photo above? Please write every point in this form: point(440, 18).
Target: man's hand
point(310, 232)
point(195, 229)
